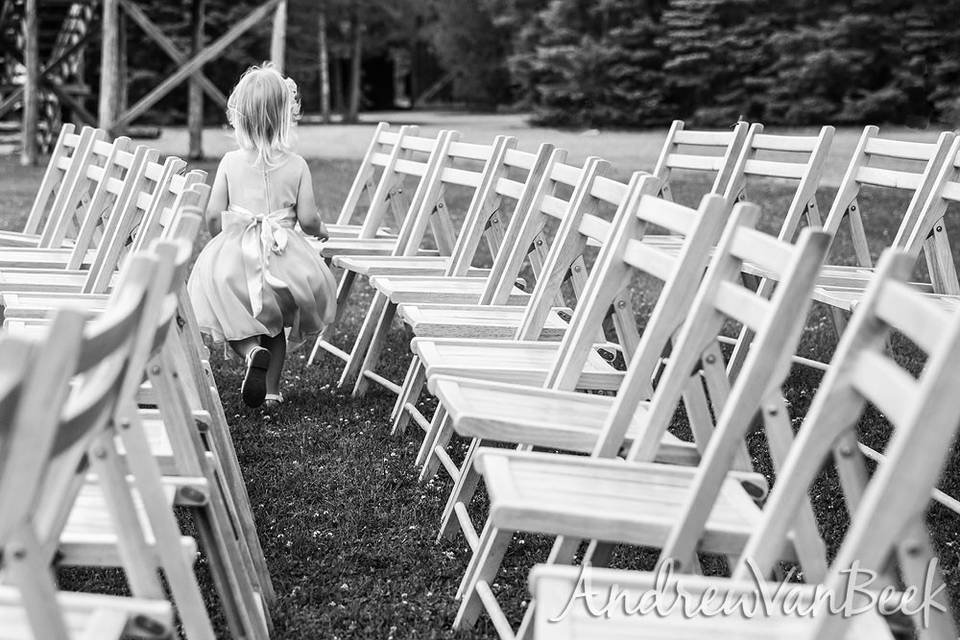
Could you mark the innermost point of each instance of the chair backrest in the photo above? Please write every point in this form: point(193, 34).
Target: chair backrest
point(624, 256)
point(34, 386)
point(720, 298)
point(929, 234)
point(108, 183)
point(888, 507)
point(146, 212)
point(522, 174)
point(461, 166)
point(798, 158)
point(881, 162)
point(113, 204)
point(538, 208)
point(403, 165)
point(70, 206)
point(64, 159)
point(366, 180)
point(483, 217)
point(712, 151)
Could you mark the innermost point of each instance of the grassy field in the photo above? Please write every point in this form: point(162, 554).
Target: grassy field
point(349, 533)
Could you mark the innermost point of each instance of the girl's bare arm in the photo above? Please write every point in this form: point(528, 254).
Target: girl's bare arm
point(307, 214)
point(218, 202)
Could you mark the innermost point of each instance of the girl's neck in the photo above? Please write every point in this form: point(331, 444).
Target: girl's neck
point(251, 157)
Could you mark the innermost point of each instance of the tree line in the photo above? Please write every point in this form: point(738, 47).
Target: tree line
point(619, 63)
point(792, 62)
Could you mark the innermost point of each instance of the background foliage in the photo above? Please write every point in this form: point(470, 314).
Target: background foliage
point(622, 63)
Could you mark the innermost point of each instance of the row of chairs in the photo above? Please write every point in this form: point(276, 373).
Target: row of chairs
point(508, 364)
point(110, 421)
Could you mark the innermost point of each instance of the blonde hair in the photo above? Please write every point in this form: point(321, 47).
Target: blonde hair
point(263, 109)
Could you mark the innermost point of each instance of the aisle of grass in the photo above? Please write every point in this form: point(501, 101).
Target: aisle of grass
point(347, 530)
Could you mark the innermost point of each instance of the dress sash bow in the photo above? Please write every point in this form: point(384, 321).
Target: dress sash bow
point(261, 235)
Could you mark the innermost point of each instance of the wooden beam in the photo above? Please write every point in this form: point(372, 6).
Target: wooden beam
point(167, 45)
point(10, 102)
point(195, 100)
point(278, 39)
point(324, 64)
point(195, 63)
point(79, 110)
point(109, 65)
point(31, 101)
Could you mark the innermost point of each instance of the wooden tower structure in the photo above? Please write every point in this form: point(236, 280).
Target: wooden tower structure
point(43, 47)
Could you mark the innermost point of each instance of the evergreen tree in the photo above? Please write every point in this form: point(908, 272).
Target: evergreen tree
point(594, 63)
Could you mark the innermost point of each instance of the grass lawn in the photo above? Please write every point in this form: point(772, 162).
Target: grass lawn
point(347, 530)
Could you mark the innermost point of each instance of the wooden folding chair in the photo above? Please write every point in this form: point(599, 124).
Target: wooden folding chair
point(83, 207)
point(403, 170)
point(887, 533)
point(795, 157)
point(489, 186)
point(69, 153)
point(576, 362)
point(581, 498)
point(211, 486)
point(107, 520)
point(481, 165)
point(34, 390)
point(350, 222)
point(926, 235)
point(913, 167)
point(143, 204)
point(485, 216)
point(715, 153)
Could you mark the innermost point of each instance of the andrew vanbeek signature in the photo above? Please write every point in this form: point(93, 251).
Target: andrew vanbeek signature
point(856, 592)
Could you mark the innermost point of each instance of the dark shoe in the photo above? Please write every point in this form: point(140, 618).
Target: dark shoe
point(254, 387)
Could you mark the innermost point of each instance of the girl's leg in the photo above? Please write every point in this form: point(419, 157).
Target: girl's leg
point(277, 345)
point(242, 347)
point(257, 360)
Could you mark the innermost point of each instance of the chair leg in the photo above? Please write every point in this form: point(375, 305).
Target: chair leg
point(372, 357)
point(464, 488)
point(598, 553)
point(166, 532)
point(412, 387)
point(227, 568)
point(343, 292)
point(489, 556)
point(429, 439)
point(444, 431)
point(219, 441)
point(363, 339)
point(563, 551)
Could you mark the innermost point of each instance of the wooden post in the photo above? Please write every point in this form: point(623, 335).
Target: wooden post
point(123, 95)
point(195, 101)
point(356, 63)
point(324, 65)
point(278, 40)
point(109, 65)
point(31, 104)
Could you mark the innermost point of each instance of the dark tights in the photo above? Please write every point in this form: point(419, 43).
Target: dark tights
point(276, 345)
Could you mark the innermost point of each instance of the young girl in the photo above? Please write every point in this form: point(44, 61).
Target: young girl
point(258, 275)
